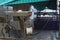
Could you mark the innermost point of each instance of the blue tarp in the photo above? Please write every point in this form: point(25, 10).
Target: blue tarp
point(2, 2)
point(41, 25)
point(24, 1)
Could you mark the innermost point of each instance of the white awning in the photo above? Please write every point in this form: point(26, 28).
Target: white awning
point(58, 0)
point(48, 10)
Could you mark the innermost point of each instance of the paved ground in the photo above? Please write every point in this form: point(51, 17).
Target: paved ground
point(44, 35)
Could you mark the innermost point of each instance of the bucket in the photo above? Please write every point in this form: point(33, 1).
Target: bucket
point(29, 30)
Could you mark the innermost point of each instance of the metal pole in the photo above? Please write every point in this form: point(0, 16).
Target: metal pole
point(59, 24)
point(59, 19)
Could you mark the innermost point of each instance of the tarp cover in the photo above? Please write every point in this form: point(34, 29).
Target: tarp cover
point(48, 10)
